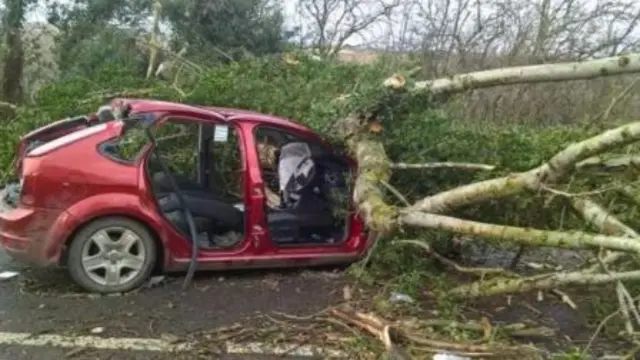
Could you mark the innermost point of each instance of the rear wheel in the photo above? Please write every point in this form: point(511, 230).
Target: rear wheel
point(111, 255)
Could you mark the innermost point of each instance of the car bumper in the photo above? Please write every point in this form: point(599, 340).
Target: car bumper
point(27, 234)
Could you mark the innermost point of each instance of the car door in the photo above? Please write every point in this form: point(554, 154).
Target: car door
point(205, 158)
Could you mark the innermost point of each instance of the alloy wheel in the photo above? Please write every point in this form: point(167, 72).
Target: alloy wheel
point(113, 256)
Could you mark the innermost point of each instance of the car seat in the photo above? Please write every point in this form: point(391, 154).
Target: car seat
point(303, 208)
point(212, 216)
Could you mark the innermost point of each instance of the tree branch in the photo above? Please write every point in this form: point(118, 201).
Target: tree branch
point(617, 65)
point(527, 236)
point(153, 38)
point(627, 161)
point(556, 168)
point(9, 106)
point(548, 281)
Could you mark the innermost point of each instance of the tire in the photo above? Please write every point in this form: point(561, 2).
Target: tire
point(98, 258)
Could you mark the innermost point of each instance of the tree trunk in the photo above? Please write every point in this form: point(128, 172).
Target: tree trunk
point(14, 59)
point(153, 39)
point(616, 65)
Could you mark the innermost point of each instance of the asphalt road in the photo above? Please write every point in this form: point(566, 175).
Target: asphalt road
point(44, 303)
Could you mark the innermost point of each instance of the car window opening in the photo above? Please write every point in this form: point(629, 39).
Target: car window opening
point(207, 165)
point(307, 192)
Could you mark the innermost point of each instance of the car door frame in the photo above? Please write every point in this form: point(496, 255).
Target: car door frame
point(259, 185)
point(245, 247)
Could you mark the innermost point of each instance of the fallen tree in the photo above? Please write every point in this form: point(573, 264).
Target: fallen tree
point(362, 130)
point(367, 114)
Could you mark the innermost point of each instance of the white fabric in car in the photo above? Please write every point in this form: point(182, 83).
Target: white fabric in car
point(291, 165)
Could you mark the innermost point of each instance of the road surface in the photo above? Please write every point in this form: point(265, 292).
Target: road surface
point(43, 316)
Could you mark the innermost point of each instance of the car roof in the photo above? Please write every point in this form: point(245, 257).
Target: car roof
point(149, 105)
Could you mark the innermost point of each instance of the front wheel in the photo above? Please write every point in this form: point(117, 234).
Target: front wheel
point(111, 255)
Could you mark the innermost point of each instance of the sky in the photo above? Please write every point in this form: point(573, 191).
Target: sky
point(289, 7)
point(39, 14)
point(378, 33)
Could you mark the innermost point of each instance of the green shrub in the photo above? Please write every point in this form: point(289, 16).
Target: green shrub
point(414, 132)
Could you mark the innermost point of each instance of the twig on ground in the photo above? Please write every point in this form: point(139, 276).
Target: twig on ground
point(565, 298)
point(309, 317)
point(516, 330)
point(391, 334)
point(516, 258)
point(376, 328)
point(599, 328)
point(628, 307)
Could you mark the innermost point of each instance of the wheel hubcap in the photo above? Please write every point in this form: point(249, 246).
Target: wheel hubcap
point(113, 256)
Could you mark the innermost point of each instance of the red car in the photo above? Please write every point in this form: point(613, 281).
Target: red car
point(223, 188)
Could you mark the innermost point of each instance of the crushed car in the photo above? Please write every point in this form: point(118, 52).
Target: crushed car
point(143, 187)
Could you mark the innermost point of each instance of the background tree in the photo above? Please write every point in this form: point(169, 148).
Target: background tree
point(227, 29)
point(14, 13)
point(95, 32)
point(330, 24)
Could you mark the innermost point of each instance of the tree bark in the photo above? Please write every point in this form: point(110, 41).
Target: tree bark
point(622, 162)
point(606, 223)
point(153, 39)
point(541, 282)
point(14, 59)
point(518, 235)
point(616, 65)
